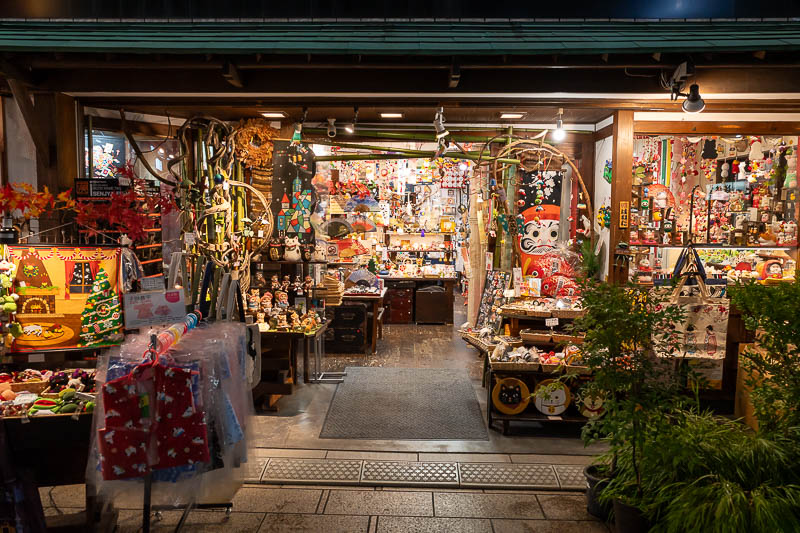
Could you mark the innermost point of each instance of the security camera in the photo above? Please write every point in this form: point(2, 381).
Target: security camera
point(331, 127)
point(681, 74)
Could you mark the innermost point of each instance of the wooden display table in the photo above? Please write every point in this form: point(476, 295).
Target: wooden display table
point(448, 283)
point(376, 301)
point(279, 360)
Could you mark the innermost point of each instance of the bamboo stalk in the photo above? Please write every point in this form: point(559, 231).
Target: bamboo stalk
point(406, 136)
point(428, 155)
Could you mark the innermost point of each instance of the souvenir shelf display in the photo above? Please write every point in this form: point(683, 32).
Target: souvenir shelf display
point(549, 352)
point(734, 199)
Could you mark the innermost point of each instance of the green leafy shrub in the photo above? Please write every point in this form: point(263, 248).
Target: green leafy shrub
point(706, 473)
point(773, 311)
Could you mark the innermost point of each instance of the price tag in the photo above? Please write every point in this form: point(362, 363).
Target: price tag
point(261, 234)
point(189, 239)
point(554, 418)
point(551, 322)
point(36, 358)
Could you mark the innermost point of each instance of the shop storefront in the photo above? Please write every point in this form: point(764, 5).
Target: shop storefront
point(236, 223)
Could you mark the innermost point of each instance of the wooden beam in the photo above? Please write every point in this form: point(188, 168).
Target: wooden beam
point(715, 128)
point(47, 169)
point(3, 146)
point(621, 186)
point(23, 100)
point(149, 129)
point(67, 142)
point(602, 133)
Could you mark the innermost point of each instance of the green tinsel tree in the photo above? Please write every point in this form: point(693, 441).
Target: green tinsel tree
point(101, 319)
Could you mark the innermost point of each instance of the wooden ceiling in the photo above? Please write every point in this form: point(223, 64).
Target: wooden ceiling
point(370, 114)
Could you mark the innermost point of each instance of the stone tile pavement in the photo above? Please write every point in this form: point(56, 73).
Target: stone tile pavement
point(333, 509)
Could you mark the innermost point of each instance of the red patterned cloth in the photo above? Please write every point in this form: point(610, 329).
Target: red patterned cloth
point(179, 432)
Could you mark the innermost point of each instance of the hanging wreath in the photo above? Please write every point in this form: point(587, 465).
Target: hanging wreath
point(254, 140)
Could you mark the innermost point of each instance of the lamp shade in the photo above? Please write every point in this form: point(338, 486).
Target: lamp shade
point(694, 103)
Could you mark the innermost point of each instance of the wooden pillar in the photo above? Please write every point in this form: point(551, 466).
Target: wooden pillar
point(69, 142)
point(621, 187)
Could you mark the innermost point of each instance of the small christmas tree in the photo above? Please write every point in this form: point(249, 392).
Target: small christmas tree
point(101, 319)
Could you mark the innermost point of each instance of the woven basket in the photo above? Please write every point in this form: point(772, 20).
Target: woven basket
point(550, 367)
point(535, 336)
point(541, 314)
point(574, 369)
point(513, 366)
point(567, 313)
point(35, 387)
point(562, 337)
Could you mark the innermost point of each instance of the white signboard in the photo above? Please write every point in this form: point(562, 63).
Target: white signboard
point(153, 307)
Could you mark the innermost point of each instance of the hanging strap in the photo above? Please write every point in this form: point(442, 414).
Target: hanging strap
point(208, 276)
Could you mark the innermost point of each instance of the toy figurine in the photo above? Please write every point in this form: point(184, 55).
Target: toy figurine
point(295, 319)
point(253, 301)
point(282, 324)
point(274, 283)
point(260, 280)
point(266, 302)
point(308, 284)
point(286, 284)
point(260, 316)
point(282, 299)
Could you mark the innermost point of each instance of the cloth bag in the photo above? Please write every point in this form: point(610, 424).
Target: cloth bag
point(705, 328)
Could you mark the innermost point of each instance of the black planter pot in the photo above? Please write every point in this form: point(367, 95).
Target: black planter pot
point(629, 519)
point(594, 486)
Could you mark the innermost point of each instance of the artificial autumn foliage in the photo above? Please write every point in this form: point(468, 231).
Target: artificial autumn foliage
point(127, 212)
point(31, 203)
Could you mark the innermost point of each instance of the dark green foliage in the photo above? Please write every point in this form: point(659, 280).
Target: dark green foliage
point(774, 313)
point(629, 331)
point(590, 262)
point(706, 473)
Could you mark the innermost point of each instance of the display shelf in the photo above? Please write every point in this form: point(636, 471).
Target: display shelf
point(417, 234)
point(532, 416)
point(432, 250)
point(290, 262)
point(713, 245)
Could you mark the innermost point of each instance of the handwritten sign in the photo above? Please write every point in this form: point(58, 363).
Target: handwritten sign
point(153, 307)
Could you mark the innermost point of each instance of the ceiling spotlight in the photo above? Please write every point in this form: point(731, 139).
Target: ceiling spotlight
point(273, 114)
point(438, 125)
point(511, 116)
point(331, 127)
point(351, 128)
point(391, 115)
point(559, 134)
point(693, 103)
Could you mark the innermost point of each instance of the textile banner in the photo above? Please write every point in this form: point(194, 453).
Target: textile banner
point(68, 297)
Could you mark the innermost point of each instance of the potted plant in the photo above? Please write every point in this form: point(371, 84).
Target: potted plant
point(629, 338)
point(773, 367)
point(709, 473)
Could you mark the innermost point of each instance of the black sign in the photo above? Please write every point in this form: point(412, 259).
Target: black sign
point(97, 187)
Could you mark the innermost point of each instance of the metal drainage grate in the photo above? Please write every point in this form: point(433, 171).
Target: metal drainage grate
point(254, 468)
point(404, 473)
point(570, 476)
point(523, 476)
point(312, 471)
